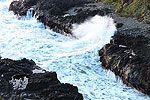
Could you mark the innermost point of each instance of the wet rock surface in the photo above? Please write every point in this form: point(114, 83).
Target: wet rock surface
point(128, 56)
point(128, 53)
point(23, 80)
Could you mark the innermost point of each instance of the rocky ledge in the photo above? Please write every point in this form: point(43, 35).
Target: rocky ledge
point(128, 53)
point(23, 80)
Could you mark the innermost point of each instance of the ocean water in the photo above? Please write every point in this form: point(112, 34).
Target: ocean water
point(76, 61)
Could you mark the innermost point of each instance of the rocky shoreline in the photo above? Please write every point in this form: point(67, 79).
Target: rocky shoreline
point(59, 15)
point(127, 55)
point(24, 80)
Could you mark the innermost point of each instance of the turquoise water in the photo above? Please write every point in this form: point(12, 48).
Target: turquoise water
point(75, 61)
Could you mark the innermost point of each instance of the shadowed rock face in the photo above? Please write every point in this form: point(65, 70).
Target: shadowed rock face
point(59, 15)
point(22, 80)
point(129, 57)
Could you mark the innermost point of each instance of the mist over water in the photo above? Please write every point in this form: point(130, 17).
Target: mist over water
point(76, 61)
point(96, 29)
point(94, 32)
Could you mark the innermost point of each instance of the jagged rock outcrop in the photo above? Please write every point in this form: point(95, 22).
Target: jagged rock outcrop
point(128, 56)
point(22, 80)
point(59, 15)
point(128, 53)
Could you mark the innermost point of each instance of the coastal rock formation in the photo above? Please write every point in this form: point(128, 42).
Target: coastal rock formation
point(128, 56)
point(23, 80)
point(128, 53)
point(59, 15)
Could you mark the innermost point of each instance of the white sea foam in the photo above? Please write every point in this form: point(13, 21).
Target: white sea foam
point(93, 33)
point(38, 71)
point(96, 29)
point(19, 84)
point(76, 61)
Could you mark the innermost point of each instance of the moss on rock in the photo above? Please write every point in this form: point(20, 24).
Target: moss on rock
point(131, 8)
point(1, 98)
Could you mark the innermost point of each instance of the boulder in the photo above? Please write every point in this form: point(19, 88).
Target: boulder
point(23, 79)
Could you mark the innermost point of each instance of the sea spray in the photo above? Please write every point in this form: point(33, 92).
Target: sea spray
point(94, 32)
point(95, 29)
point(29, 15)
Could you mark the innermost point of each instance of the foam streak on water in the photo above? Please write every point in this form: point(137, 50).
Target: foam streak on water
point(75, 61)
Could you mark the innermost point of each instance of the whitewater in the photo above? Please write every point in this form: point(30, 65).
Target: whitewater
point(75, 60)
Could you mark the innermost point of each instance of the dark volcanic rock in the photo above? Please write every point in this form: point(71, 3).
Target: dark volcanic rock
point(128, 56)
point(21, 7)
point(128, 53)
point(22, 80)
point(59, 15)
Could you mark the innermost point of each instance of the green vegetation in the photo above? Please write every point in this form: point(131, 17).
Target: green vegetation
point(116, 3)
point(1, 98)
point(131, 8)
